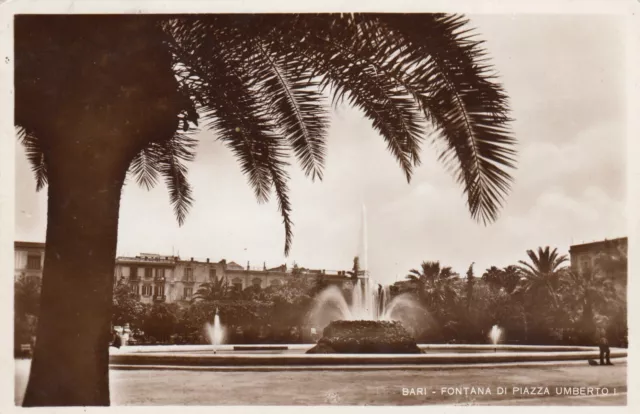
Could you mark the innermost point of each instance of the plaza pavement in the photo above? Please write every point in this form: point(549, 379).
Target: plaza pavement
point(357, 387)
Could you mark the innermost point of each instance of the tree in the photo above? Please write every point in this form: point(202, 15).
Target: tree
point(541, 276)
point(27, 309)
point(506, 278)
point(217, 289)
point(98, 96)
point(434, 285)
point(469, 286)
point(161, 321)
point(27, 296)
point(589, 292)
point(539, 288)
point(127, 307)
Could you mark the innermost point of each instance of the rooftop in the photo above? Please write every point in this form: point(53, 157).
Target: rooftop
point(27, 245)
point(590, 245)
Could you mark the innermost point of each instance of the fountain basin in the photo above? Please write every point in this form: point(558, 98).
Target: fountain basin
point(203, 356)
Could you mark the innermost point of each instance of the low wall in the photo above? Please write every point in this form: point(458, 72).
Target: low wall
point(184, 358)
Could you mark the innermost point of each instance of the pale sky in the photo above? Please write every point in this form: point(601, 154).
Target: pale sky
point(565, 76)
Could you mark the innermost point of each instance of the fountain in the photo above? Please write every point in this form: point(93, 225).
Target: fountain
point(215, 332)
point(369, 301)
point(495, 335)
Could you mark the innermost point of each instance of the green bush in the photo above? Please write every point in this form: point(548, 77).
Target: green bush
point(366, 337)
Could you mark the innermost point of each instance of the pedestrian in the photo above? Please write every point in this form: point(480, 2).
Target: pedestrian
point(116, 341)
point(603, 343)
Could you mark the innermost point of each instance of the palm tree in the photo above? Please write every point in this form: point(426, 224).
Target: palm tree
point(100, 96)
point(506, 278)
point(539, 288)
point(542, 274)
point(589, 291)
point(434, 285)
point(216, 289)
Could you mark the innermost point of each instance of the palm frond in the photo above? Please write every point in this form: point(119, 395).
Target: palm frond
point(255, 79)
point(295, 104)
point(144, 168)
point(233, 108)
point(35, 155)
point(333, 49)
point(457, 91)
point(171, 154)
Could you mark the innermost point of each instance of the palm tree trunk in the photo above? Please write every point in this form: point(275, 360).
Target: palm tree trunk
point(119, 93)
point(70, 364)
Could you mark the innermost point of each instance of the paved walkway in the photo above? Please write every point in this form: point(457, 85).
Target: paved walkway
point(522, 385)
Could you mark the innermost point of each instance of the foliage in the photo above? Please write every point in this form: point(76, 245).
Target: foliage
point(217, 289)
point(258, 81)
point(436, 286)
point(365, 337)
point(161, 321)
point(506, 279)
point(27, 295)
point(127, 308)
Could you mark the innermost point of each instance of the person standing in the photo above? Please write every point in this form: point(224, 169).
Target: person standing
point(116, 340)
point(603, 343)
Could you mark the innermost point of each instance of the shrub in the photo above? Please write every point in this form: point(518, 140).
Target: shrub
point(367, 337)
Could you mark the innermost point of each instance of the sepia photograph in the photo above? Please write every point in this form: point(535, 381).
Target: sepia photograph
point(284, 208)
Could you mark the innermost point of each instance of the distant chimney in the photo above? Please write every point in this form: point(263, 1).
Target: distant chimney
point(192, 259)
point(207, 260)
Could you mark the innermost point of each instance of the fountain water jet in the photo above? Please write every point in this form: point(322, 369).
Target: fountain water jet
point(215, 331)
point(369, 301)
point(495, 335)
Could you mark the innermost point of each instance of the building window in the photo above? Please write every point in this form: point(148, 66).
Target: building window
point(188, 292)
point(148, 272)
point(146, 290)
point(158, 290)
point(135, 288)
point(188, 274)
point(257, 282)
point(212, 274)
point(275, 282)
point(133, 274)
point(237, 284)
point(160, 274)
point(33, 262)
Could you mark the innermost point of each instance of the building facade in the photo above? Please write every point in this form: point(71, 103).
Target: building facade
point(585, 255)
point(28, 259)
point(170, 279)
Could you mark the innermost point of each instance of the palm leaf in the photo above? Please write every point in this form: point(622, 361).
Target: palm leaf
point(35, 155)
point(171, 154)
point(456, 90)
point(295, 104)
point(145, 168)
point(233, 109)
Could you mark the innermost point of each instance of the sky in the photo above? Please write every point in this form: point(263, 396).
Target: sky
point(565, 76)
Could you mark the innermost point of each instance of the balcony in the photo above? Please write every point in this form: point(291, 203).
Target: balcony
point(159, 298)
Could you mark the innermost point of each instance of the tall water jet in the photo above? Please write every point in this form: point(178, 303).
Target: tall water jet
point(215, 331)
point(363, 247)
point(495, 335)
